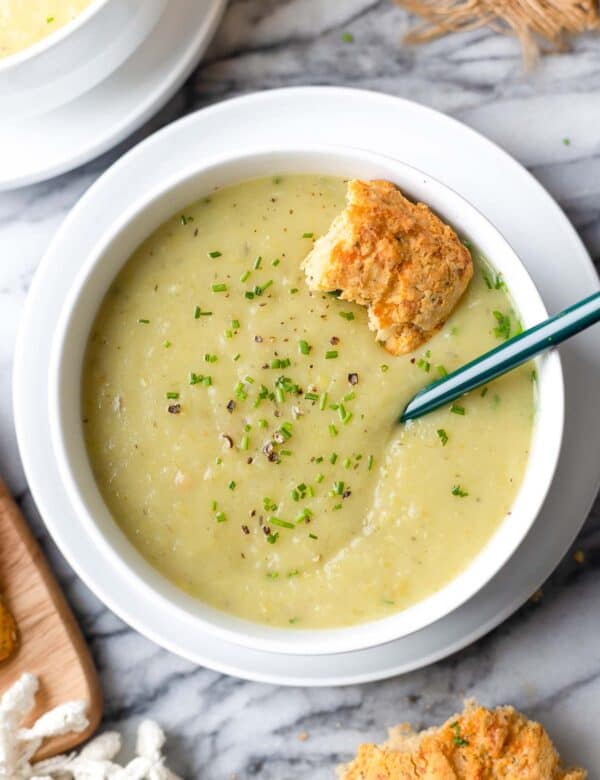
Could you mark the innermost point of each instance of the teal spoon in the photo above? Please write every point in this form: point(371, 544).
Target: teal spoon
point(504, 358)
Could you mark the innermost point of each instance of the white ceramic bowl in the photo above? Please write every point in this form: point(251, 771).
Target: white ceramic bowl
point(76, 57)
point(98, 271)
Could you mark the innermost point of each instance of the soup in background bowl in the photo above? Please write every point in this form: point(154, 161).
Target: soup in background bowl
point(242, 431)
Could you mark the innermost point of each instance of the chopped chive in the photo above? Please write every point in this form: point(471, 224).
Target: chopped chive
point(323, 402)
point(347, 37)
point(307, 235)
point(249, 380)
point(272, 538)
point(249, 295)
point(312, 536)
point(237, 356)
point(347, 463)
point(566, 141)
point(370, 462)
point(443, 436)
point(235, 324)
point(294, 290)
point(304, 347)
point(231, 485)
point(347, 417)
point(276, 262)
point(260, 290)
point(244, 276)
point(185, 220)
point(262, 423)
point(220, 517)
point(257, 263)
point(215, 253)
point(456, 409)
point(350, 396)
point(331, 354)
point(272, 575)
point(213, 506)
point(502, 330)
point(245, 442)
point(424, 364)
point(319, 478)
point(333, 430)
point(166, 344)
point(347, 315)
point(195, 379)
point(441, 371)
point(197, 313)
point(219, 287)
point(333, 457)
point(484, 392)
point(293, 573)
point(143, 322)
point(207, 381)
point(458, 491)
point(49, 19)
point(210, 358)
point(281, 523)
point(384, 368)
point(172, 395)
point(311, 396)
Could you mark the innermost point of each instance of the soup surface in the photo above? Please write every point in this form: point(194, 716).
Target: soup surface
point(243, 429)
point(25, 22)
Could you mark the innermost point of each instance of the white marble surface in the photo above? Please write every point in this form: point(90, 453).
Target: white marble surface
point(546, 658)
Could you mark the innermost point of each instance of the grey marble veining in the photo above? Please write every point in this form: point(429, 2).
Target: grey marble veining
point(546, 658)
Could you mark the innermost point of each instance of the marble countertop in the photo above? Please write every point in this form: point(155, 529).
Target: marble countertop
point(546, 658)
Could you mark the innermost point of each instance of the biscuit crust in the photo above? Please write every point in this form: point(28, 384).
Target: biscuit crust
point(396, 257)
point(479, 744)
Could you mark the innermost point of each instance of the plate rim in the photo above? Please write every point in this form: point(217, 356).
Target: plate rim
point(19, 423)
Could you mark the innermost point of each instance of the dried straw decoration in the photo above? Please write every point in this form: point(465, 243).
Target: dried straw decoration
point(538, 24)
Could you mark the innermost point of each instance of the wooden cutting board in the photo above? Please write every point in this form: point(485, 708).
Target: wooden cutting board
point(51, 644)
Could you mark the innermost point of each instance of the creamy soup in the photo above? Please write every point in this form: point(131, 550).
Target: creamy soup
point(243, 430)
point(25, 22)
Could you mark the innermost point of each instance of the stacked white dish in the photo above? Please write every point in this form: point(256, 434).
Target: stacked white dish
point(85, 87)
point(105, 226)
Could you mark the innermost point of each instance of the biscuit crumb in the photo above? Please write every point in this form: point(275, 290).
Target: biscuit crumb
point(9, 638)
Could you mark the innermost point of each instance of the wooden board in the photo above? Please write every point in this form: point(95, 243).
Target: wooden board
point(51, 644)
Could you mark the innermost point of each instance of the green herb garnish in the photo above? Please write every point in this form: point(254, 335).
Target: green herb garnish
point(456, 409)
point(458, 491)
point(443, 436)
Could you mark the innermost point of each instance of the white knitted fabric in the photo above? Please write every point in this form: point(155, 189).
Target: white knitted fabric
point(96, 761)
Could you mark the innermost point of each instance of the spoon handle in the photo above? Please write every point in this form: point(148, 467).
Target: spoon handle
point(507, 356)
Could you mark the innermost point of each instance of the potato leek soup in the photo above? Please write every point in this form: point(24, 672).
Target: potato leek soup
point(243, 429)
point(25, 22)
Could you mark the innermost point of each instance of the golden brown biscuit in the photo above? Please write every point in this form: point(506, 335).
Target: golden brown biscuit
point(480, 744)
point(396, 257)
point(8, 634)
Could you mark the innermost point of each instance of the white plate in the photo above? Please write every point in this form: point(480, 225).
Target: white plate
point(46, 145)
point(483, 173)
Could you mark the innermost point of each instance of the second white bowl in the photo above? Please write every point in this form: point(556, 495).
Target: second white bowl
point(98, 272)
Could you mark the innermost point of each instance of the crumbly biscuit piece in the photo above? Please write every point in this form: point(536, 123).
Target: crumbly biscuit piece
point(396, 257)
point(480, 744)
point(8, 634)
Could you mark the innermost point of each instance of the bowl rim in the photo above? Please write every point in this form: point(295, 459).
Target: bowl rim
point(285, 640)
point(52, 39)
